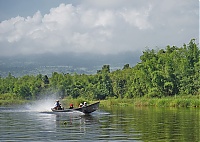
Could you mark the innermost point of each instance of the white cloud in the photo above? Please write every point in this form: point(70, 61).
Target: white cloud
point(100, 27)
point(138, 18)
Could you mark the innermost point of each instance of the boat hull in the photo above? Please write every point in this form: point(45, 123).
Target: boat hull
point(62, 110)
point(86, 109)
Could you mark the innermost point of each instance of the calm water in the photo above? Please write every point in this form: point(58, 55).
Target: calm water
point(116, 124)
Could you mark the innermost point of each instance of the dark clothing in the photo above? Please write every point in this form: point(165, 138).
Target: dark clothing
point(71, 107)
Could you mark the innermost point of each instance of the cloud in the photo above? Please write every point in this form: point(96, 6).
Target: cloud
point(100, 27)
point(137, 18)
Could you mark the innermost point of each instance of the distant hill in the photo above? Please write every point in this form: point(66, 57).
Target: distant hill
point(66, 63)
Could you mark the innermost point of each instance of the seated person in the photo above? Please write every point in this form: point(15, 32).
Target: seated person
point(84, 104)
point(57, 105)
point(81, 105)
point(71, 106)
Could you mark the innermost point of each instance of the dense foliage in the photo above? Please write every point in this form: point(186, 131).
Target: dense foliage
point(167, 72)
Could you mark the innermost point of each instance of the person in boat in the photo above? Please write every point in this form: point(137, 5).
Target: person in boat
point(71, 106)
point(57, 105)
point(84, 104)
point(80, 105)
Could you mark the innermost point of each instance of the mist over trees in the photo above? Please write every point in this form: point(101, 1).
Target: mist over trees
point(47, 63)
point(173, 71)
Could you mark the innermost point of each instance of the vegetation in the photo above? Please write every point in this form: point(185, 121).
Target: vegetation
point(181, 101)
point(170, 72)
point(8, 99)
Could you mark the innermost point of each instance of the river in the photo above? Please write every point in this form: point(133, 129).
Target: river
point(116, 124)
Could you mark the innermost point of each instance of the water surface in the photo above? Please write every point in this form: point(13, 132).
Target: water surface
point(113, 124)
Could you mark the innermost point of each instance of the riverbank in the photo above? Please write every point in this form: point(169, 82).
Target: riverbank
point(183, 101)
point(12, 102)
point(11, 99)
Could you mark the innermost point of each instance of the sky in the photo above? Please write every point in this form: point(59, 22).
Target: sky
point(95, 26)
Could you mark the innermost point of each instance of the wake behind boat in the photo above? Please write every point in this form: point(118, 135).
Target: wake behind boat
point(85, 109)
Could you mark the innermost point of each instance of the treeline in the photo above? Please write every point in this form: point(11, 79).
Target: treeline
point(172, 71)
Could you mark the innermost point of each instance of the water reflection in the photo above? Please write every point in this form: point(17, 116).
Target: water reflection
point(158, 124)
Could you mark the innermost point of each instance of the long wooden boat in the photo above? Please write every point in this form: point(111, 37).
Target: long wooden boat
point(85, 109)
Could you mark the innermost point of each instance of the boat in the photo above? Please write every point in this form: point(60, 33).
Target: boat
point(85, 109)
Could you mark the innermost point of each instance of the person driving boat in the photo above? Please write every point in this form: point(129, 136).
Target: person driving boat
point(57, 105)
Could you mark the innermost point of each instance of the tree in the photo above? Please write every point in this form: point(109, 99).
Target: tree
point(46, 79)
point(106, 69)
point(126, 66)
